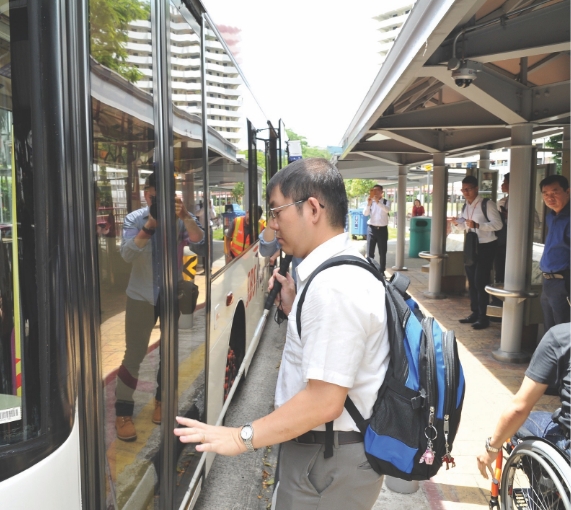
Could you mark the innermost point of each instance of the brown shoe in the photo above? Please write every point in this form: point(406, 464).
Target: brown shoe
point(156, 419)
point(125, 428)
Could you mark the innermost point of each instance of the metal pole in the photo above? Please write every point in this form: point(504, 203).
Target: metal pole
point(518, 240)
point(401, 220)
point(437, 226)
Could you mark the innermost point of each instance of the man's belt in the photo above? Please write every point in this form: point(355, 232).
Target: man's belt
point(561, 275)
point(378, 226)
point(318, 437)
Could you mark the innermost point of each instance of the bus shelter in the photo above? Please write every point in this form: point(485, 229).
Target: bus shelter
point(467, 77)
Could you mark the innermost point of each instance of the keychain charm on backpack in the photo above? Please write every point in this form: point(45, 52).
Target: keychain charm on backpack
point(449, 460)
point(447, 457)
point(428, 455)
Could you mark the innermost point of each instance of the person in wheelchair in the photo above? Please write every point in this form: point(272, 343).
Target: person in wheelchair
point(549, 366)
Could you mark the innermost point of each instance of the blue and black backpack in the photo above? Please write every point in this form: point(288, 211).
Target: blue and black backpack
point(417, 411)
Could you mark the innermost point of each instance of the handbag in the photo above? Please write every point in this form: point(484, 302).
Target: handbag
point(471, 248)
point(187, 296)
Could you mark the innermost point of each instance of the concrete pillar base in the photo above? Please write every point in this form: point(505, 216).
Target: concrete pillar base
point(511, 357)
point(401, 486)
point(396, 268)
point(435, 295)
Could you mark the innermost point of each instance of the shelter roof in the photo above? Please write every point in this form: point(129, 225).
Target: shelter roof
point(518, 53)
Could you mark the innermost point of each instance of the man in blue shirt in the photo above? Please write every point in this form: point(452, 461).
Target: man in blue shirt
point(139, 247)
point(554, 263)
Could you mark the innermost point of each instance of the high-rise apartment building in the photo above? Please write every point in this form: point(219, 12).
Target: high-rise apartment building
point(391, 21)
point(223, 81)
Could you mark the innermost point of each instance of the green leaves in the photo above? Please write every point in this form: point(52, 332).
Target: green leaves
point(109, 23)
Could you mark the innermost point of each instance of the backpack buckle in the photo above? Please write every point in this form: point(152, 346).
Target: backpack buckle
point(418, 401)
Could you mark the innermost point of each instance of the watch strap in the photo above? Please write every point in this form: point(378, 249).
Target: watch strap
point(489, 446)
point(248, 442)
point(148, 231)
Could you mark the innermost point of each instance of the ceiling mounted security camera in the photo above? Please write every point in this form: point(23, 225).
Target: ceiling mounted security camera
point(465, 74)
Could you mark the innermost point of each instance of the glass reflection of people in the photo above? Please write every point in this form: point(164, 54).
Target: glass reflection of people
point(239, 234)
point(140, 248)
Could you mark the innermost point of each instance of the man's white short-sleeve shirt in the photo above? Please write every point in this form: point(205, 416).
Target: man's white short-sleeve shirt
point(344, 337)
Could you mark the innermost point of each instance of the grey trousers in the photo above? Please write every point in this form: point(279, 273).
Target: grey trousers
point(308, 481)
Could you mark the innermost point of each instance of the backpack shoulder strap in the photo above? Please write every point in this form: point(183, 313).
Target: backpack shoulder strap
point(485, 208)
point(335, 261)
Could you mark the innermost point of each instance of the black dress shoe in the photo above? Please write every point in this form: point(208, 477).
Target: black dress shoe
point(481, 324)
point(470, 319)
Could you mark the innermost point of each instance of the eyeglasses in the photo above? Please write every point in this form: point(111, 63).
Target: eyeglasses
point(467, 190)
point(275, 215)
point(275, 212)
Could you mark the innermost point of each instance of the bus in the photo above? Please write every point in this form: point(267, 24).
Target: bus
point(112, 113)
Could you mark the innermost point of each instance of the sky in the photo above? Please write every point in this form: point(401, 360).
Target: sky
point(308, 62)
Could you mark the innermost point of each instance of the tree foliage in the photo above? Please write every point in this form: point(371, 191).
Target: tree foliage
point(306, 150)
point(109, 21)
point(556, 142)
point(358, 187)
point(238, 192)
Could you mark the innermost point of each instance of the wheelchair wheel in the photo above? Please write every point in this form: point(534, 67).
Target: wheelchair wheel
point(536, 477)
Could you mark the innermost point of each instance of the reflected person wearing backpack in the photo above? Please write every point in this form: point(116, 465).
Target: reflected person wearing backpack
point(343, 350)
point(479, 216)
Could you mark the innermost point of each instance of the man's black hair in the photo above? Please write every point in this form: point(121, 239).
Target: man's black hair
point(260, 211)
point(378, 186)
point(151, 181)
point(552, 179)
point(507, 177)
point(470, 179)
point(313, 177)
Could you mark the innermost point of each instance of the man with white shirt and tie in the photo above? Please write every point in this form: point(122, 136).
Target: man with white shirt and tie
point(378, 210)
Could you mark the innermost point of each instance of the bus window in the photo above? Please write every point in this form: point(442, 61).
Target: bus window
point(235, 117)
point(192, 258)
point(20, 373)
point(125, 189)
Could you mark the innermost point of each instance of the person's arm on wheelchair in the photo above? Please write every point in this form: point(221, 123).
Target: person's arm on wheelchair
point(511, 420)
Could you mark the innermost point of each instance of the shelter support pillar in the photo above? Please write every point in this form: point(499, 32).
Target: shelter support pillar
point(438, 227)
point(401, 219)
point(518, 245)
point(483, 164)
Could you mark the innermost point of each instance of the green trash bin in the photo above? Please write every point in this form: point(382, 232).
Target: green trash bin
point(419, 235)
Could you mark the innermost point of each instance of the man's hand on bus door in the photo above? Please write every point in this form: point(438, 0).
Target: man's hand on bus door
point(222, 440)
point(287, 292)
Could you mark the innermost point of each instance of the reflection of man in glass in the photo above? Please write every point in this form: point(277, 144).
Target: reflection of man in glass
point(239, 235)
point(139, 247)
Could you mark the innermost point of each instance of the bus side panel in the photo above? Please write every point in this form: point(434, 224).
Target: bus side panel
point(247, 280)
point(51, 484)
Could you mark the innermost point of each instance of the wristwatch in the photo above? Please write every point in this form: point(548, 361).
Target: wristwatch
point(246, 435)
point(489, 447)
